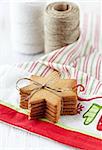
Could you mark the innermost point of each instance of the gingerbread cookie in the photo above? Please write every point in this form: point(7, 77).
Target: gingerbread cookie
point(49, 97)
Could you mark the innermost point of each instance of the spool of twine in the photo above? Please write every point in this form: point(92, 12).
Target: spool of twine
point(61, 25)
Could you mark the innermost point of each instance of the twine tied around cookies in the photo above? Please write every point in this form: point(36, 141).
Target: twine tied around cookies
point(61, 25)
point(46, 86)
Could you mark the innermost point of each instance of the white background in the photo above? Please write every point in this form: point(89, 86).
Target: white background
point(11, 138)
point(7, 54)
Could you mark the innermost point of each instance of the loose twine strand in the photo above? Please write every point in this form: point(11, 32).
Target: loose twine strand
point(61, 25)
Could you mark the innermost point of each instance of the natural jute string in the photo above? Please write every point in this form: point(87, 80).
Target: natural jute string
point(61, 25)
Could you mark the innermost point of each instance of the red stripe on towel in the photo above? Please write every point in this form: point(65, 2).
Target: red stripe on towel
point(49, 130)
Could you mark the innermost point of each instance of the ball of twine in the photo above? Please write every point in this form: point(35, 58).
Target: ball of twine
point(61, 25)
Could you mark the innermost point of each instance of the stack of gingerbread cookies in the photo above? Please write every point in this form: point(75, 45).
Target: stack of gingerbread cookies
point(51, 98)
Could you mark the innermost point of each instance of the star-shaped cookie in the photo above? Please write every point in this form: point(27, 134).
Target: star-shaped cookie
point(56, 98)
